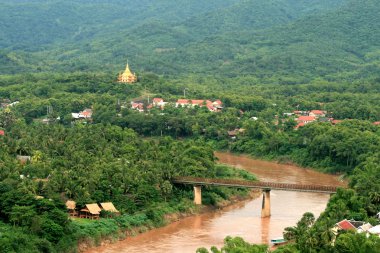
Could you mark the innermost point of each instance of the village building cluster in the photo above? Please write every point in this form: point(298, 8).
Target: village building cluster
point(86, 114)
point(356, 226)
point(90, 211)
point(306, 117)
point(215, 106)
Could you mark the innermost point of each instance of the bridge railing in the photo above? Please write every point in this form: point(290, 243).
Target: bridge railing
point(254, 184)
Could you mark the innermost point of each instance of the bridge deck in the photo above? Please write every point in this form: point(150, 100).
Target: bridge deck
point(251, 184)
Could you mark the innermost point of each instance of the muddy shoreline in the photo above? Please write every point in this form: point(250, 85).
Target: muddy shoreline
point(88, 244)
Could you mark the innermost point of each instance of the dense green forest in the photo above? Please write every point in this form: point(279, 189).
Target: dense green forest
point(262, 59)
point(123, 155)
point(93, 164)
point(320, 144)
point(279, 41)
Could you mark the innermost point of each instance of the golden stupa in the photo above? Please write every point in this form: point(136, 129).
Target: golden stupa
point(127, 76)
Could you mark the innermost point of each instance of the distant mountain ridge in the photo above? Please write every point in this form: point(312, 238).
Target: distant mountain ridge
point(30, 25)
point(297, 40)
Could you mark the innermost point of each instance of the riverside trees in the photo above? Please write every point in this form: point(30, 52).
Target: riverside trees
point(93, 163)
point(99, 162)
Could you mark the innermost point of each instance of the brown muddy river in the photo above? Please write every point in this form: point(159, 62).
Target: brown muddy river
point(242, 219)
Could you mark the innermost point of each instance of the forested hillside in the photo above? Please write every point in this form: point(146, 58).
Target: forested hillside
point(257, 66)
point(32, 25)
point(277, 41)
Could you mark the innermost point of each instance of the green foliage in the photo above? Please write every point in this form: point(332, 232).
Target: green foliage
point(224, 171)
point(365, 183)
point(97, 163)
point(359, 203)
point(261, 58)
point(277, 41)
point(350, 242)
point(235, 245)
point(302, 233)
point(14, 239)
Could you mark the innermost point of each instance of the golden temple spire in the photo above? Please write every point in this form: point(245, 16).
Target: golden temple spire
point(127, 70)
point(127, 76)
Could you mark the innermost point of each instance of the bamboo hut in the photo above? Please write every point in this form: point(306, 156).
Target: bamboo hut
point(91, 211)
point(71, 206)
point(109, 207)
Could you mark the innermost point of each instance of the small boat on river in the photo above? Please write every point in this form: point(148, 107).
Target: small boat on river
point(278, 241)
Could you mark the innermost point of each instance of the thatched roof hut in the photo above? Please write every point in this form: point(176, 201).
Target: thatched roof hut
point(71, 204)
point(108, 206)
point(91, 211)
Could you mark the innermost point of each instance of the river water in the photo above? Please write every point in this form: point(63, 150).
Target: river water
point(242, 219)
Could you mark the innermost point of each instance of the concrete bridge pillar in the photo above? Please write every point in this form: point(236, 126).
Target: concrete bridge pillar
point(265, 209)
point(197, 195)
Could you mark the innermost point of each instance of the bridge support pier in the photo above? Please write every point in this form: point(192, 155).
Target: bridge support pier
point(197, 195)
point(265, 209)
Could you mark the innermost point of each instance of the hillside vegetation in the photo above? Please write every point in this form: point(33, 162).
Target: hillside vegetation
point(258, 66)
point(277, 41)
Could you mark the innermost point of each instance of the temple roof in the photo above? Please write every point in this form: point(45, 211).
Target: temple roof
point(127, 76)
point(127, 70)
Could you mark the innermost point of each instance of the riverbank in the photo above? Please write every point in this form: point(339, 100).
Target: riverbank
point(242, 219)
point(89, 245)
point(279, 172)
point(297, 156)
point(280, 159)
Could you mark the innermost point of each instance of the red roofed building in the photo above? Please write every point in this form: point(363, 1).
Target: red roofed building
point(138, 106)
point(212, 106)
point(306, 119)
point(2, 132)
point(182, 102)
point(87, 113)
point(317, 113)
point(377, 123)
point(192, 102)
point(345, 225)
point(197, 102)
point(158, 101)
point(217, 103)
point(357, 226)
point(301, 124)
